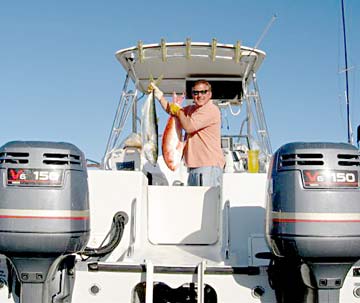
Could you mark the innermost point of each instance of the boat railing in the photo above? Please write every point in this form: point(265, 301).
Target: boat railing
point(126, 102)
point(262, 126)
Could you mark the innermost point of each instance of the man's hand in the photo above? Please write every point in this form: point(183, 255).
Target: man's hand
point(174, 109)
point(157, 92)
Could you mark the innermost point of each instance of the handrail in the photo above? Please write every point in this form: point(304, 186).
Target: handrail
point(125, 104)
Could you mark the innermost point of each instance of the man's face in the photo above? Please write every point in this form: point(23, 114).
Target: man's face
point(201, 94)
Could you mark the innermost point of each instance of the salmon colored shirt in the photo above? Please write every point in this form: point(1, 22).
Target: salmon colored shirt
point(203, 144)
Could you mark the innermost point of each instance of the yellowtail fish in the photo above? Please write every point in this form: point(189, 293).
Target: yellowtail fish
point(149, 130)
point(172, 139)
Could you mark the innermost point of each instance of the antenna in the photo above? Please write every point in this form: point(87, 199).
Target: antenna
point(349, 132)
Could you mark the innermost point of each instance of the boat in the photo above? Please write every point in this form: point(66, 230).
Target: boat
point(142, 235)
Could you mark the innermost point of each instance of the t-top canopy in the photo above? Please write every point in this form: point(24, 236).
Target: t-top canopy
point(177, 62)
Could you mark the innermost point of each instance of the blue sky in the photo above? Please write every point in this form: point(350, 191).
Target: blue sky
point(60, 81)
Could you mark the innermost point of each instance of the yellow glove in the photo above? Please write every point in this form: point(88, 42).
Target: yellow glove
point(157, 92)
point(174, 109)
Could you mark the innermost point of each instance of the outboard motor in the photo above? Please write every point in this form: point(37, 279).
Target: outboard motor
point(44, 214)
point(313, 214)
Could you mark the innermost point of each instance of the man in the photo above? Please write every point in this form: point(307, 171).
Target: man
point(201, 121)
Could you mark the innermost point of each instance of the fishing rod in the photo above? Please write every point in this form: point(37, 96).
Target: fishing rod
point(349, 131)
point(273, 18)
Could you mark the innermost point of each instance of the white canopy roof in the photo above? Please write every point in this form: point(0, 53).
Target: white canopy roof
point(178, 62)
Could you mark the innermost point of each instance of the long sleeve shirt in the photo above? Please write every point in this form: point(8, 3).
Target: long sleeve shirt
point(202, 127)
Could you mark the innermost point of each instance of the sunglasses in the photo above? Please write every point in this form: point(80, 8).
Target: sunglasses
point(197, 92)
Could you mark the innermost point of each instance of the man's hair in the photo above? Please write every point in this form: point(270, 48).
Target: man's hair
point(202, 81)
